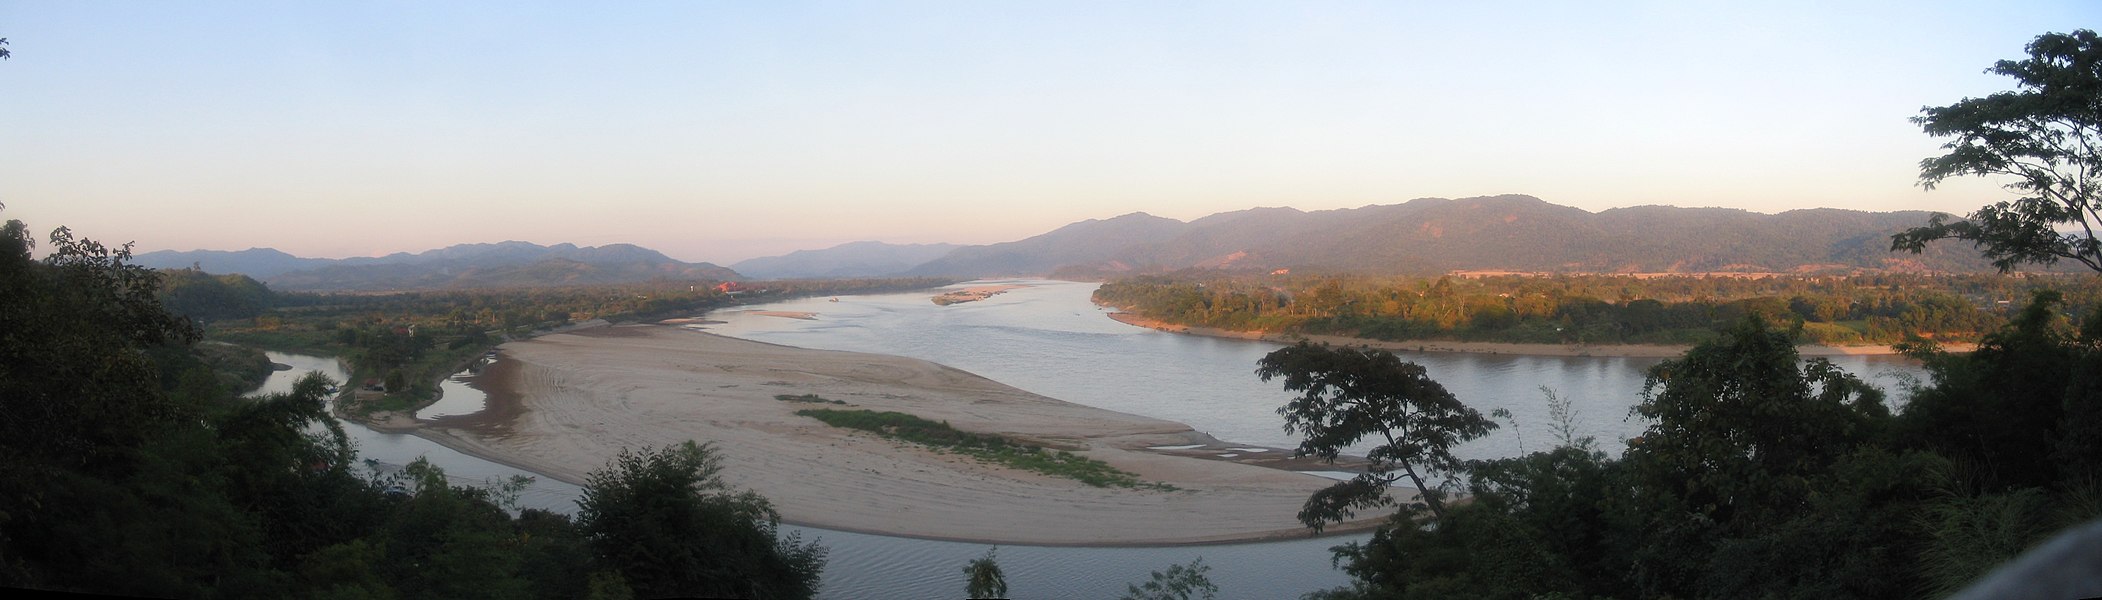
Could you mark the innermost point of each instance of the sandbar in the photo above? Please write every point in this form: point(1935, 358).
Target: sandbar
point(563, 405)
point(974, 294)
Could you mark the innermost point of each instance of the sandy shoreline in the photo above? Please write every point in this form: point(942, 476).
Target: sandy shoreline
point(563, 405)
point(1627, 350)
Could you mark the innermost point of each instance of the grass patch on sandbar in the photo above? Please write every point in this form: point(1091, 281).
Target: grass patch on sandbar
point(985, 447)
point(811, 398)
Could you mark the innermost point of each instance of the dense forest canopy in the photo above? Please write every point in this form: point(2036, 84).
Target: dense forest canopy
point(1590, 309)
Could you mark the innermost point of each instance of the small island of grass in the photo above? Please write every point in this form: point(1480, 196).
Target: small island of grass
point(984, 447)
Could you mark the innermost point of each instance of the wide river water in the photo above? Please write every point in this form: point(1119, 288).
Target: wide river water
point(1051, 340)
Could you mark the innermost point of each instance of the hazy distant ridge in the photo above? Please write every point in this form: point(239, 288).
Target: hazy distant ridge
point(1423, 236)
point(1079, 243)
point(856, 259)
point(1436, 235)
point(502, 264)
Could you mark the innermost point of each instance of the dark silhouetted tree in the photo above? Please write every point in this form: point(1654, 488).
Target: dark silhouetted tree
point(1349, 394)
point(2045, 139)
point(669, 525)
point(983, 578)
point(1179, 582)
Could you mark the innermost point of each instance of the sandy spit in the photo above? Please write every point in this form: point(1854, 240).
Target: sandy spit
point(563, 405)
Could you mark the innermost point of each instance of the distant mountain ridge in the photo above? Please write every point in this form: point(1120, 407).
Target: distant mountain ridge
point(1418, 237)
point(502, 264)
point(1489, 233)
point(1089, 241)
point(258, 263)
point(1523, 233)
point(854, 259)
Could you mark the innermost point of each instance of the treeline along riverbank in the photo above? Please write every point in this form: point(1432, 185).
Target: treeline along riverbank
point(1593, 309)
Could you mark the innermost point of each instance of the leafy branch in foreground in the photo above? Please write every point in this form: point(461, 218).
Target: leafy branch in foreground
point(985, 447)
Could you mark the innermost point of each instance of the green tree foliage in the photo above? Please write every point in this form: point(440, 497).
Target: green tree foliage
point(75, 378)
point(2045, 139)
point(1349, 394)
point(205, 297)
point(1588, 309)
point(982, 577)
point(1179, 582)
point(2004, 407)
point(1767, 476)
point(667, 523)
point(1741, 423)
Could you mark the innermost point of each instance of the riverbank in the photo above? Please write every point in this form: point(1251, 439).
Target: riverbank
point(563, 405)
point(1626, 350)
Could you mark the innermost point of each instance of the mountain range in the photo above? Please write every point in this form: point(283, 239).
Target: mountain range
point(1418, 237)
point(1437, 235)
point(856, 259)
point(503, 264)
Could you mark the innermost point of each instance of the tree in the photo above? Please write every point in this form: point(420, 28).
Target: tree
point(1348, 394)
point(1742, 429)
point(1180, 582)
point(666, 521)
point(984, 577)
point(2046, 138)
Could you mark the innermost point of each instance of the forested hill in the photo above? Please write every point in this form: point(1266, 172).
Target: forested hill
point(1523, 233)
point(1437, 235)
point(505, 264)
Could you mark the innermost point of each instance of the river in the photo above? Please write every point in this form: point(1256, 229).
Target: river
point(1050, 339)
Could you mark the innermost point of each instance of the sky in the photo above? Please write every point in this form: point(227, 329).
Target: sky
point(720, 131)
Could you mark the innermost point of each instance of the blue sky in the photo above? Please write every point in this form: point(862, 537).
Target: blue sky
point(721, 131)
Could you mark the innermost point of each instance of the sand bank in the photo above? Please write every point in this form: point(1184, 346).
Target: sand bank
point(974, 294)
point(563, 405)
point(1630, 350)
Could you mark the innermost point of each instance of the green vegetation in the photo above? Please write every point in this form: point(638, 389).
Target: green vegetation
point(1766, 475)
point(205, 297)
point(810, 398)
point(238, 368)
point(1350, 394)
point(982, 577)
point(638, 516)
point(986, 447)
point(1591, 309)
point(1179, 582)
point(127, 468)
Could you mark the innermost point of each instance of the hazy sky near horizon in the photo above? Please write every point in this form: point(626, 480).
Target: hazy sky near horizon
point(719, 131)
